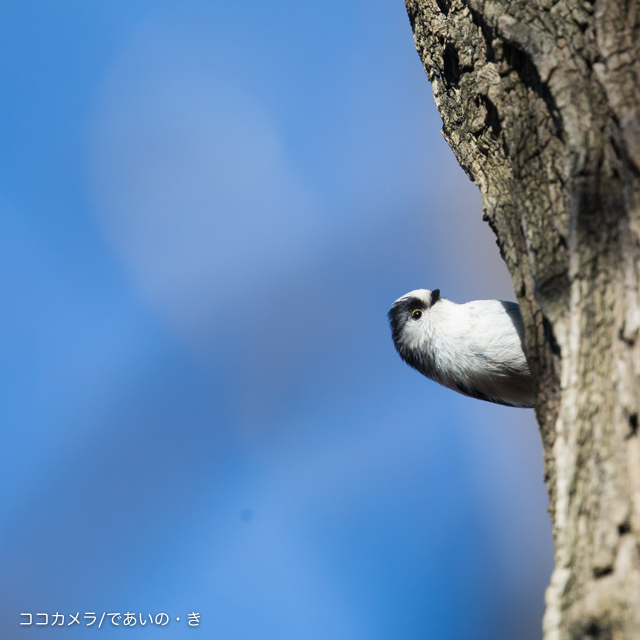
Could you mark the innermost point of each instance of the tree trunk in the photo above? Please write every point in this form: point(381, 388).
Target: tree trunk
point(540, 102)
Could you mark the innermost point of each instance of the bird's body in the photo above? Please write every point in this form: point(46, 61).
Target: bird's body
point(474, 348)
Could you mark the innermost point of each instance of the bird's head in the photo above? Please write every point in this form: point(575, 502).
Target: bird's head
point(408, 317)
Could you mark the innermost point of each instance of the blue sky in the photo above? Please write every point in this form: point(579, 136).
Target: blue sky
point(206, 210)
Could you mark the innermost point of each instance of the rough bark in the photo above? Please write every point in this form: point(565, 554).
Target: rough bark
point(540, 102)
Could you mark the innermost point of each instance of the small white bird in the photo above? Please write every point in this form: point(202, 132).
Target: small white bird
point(474, 348)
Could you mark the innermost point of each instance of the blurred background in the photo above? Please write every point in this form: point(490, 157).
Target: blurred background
point(206, 210)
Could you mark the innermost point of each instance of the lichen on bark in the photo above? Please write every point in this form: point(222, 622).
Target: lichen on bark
point(540, 102)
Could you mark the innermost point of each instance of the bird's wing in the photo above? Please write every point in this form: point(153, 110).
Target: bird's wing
point(474, 393)
point(513, 311)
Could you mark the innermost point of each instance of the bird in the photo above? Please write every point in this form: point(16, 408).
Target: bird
point(476, 348)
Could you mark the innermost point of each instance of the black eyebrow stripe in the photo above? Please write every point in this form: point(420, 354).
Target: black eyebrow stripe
point(410, 303)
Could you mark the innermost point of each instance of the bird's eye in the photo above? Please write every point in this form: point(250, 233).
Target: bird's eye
point(416, 314)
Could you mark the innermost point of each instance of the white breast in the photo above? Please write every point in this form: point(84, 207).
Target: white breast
point(477, 349)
